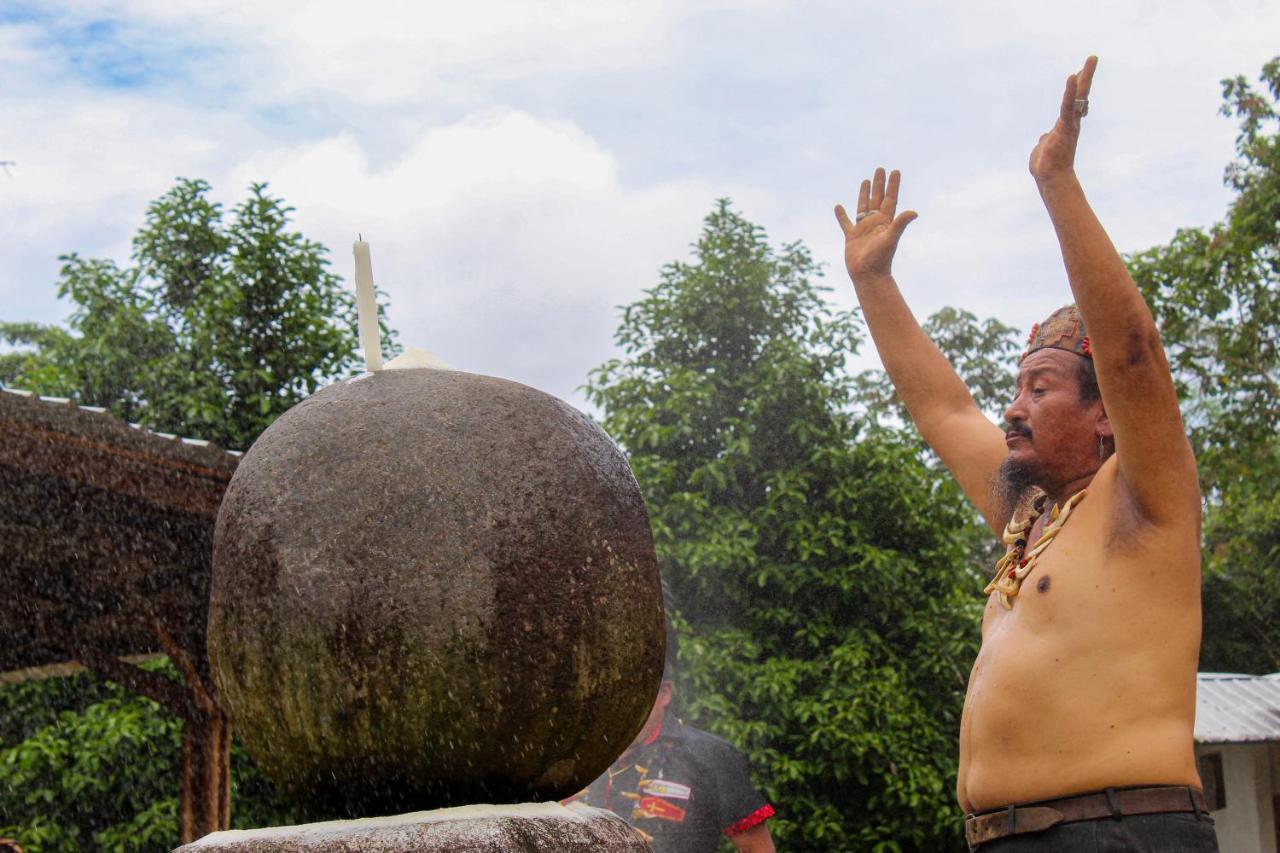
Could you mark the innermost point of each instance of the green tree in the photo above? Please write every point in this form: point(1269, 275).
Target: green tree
point(827, 609)
point(216, 328)
point(84, 764)
point(1216, 294)
point(982, 352)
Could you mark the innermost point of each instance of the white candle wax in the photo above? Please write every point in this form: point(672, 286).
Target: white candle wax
point(367, 306)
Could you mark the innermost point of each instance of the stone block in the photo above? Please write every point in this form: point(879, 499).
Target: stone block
point(520, 828)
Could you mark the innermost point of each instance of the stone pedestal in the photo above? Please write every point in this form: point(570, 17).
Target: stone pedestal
point(520, 828)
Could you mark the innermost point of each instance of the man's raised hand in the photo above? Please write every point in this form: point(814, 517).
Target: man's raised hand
point(1055, 154)
point(871, 238)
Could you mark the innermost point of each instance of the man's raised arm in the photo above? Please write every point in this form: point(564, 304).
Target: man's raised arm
point(970, 445)
point(1156, 465)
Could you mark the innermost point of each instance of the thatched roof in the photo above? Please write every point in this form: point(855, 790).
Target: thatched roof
point(106, 529)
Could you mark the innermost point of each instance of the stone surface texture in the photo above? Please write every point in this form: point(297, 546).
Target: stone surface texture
point(434, 588)
point(531, 828)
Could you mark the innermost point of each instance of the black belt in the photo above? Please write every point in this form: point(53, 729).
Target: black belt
point(1113, 802)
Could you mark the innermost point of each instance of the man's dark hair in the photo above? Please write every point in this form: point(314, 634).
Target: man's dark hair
point(1087, 376)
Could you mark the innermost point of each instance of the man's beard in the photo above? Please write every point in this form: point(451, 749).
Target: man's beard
point(1012, 485)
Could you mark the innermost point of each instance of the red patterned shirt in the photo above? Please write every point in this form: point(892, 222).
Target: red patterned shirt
point(682, 790)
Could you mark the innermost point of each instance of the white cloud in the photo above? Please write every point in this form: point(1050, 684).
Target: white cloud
point(521, 171)
point(382, 52)
point(83, 176)
point(505, 240)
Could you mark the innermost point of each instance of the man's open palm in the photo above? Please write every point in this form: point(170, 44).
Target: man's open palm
point(871, 240)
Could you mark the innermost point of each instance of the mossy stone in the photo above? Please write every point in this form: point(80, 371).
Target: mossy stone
point(434, 588)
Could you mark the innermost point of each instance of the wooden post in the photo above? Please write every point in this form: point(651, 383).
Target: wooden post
point(204, 803)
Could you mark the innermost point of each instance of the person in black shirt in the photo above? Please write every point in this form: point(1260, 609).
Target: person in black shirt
point(682, 788)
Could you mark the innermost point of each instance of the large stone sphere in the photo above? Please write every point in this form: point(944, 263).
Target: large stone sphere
point(434, 588)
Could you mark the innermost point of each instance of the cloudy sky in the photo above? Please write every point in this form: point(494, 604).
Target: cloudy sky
point(521, 169)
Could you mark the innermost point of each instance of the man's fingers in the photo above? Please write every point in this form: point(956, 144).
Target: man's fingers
point(846, 224)
point(900, 224)
point(874, 196)
point(890, 205)
point(1084, 81)
point(1067, 112)
point(1078, 86)
point(877, 188)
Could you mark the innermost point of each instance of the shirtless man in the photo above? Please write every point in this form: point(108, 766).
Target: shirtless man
point(1081, 704)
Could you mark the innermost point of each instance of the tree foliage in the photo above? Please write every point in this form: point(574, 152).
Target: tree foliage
point(1215, 292)
point(85, 765)
point(981, 351)
point(827, 608)
point(216, 329)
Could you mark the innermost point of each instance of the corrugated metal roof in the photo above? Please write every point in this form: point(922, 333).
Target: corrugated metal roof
point(98, 410)
point(1233, 708)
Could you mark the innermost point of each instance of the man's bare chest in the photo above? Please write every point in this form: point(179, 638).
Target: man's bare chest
point(1072, 581)
point(1086, 584)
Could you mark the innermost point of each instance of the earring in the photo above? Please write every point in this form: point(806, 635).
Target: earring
point(1102, 448)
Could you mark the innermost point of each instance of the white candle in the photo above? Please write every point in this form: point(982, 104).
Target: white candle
point(367, 306)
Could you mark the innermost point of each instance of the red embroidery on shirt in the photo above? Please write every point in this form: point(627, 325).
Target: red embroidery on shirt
point(659, 808)
point(757, 817)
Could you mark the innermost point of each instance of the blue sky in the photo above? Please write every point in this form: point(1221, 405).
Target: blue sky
point(521, 169)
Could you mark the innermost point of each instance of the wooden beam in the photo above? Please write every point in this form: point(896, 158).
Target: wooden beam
point(172, 483)
point(167, 693)
point(64, 670)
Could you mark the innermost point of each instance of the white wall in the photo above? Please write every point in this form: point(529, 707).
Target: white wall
point(1246, 825)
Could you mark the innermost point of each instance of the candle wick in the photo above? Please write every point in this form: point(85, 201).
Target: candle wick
point(359, 236)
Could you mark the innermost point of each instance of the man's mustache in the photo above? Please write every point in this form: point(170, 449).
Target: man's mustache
point(1018, 428)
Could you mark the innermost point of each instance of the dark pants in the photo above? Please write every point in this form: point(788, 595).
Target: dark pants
point(1150, 833)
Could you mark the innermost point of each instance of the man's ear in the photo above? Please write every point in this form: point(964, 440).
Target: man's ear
point(1103, 424)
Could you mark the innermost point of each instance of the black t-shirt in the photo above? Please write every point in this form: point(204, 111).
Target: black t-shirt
point(682, 790)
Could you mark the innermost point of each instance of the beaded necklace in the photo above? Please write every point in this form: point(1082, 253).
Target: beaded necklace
point(1017, 562)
